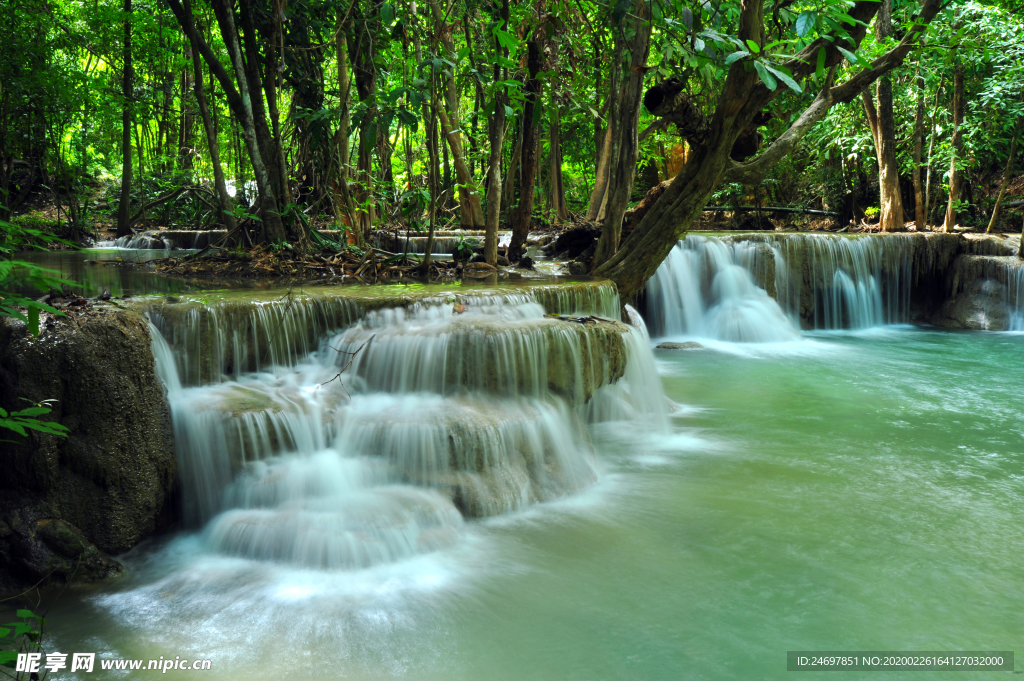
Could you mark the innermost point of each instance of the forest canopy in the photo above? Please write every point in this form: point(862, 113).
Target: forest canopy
point(273, 117)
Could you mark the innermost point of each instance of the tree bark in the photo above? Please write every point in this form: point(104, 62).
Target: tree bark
point(883, 129)
point(495, 139)
point(226, 216)
point(624, 126)
point(955, 178)
point(471, 214)
point(530, 138)
point(124, 208)
point(1006, 173)
point(272, 226)
point(920, 209)
point(560, 209)
point(341, 195)
point(597, 196)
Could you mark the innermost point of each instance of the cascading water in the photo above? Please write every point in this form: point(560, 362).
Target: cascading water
point(374, 446)
point(762, 288)
point(706, 288)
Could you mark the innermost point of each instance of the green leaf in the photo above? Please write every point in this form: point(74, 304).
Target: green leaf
point(735, 57)
point(11, 425)
point(25, 614)
point(766, 77)
point(387, 13)
point(4, 632)
point(785, 78)
point(8, 657)
point(805, 22)
point(754, 47)
point(819, 71)
point(850, 56)
point(687, 17)
point(32, 411)
point(33, 321)
point(506, 39)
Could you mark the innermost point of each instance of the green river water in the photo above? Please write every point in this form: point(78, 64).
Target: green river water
point(848, 491)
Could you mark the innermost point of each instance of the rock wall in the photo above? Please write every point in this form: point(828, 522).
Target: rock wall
point(67, 502)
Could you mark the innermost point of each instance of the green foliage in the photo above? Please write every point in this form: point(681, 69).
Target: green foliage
point(23, 636)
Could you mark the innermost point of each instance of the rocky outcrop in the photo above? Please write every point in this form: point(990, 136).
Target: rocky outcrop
point(982, 306)
point(985, 292)
point(69, 501)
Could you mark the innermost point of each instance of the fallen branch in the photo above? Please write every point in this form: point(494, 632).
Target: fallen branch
point(169, 196)
point(773, 209)
point(349, 363)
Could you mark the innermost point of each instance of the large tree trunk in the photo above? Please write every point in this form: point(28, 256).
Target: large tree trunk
point(625, 122)
point(125, 207)
point(1006, 173)
point(920, 208)
point(883, 129)
point(530, 135)
point(226, 216)
point(955, 175)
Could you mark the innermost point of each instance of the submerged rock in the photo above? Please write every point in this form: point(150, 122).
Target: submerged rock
point(108, 483)
point(688, 345)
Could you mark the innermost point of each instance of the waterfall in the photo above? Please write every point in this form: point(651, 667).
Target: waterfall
point(762, 288)
point(706, 288)
point(371, 442)
point(223, 337)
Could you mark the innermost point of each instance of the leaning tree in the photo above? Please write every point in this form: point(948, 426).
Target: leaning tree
point(750, 85)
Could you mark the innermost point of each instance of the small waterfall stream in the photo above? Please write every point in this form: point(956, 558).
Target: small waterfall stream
point(762, 288)
point(372, 443)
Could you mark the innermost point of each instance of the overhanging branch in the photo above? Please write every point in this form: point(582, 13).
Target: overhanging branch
point(755, 171)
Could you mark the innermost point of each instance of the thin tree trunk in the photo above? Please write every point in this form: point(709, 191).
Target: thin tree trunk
point(272, 226)
point(496, 139)
point(530, 135)
point(955, 175)
point(920, 207)
point(471, 214)
point(342, 196)
point(600, 192)
point(124, 209)
point(1006, 173)
point(561, 211)
point(226, 216)
point(513, 166)
point(624, 126)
